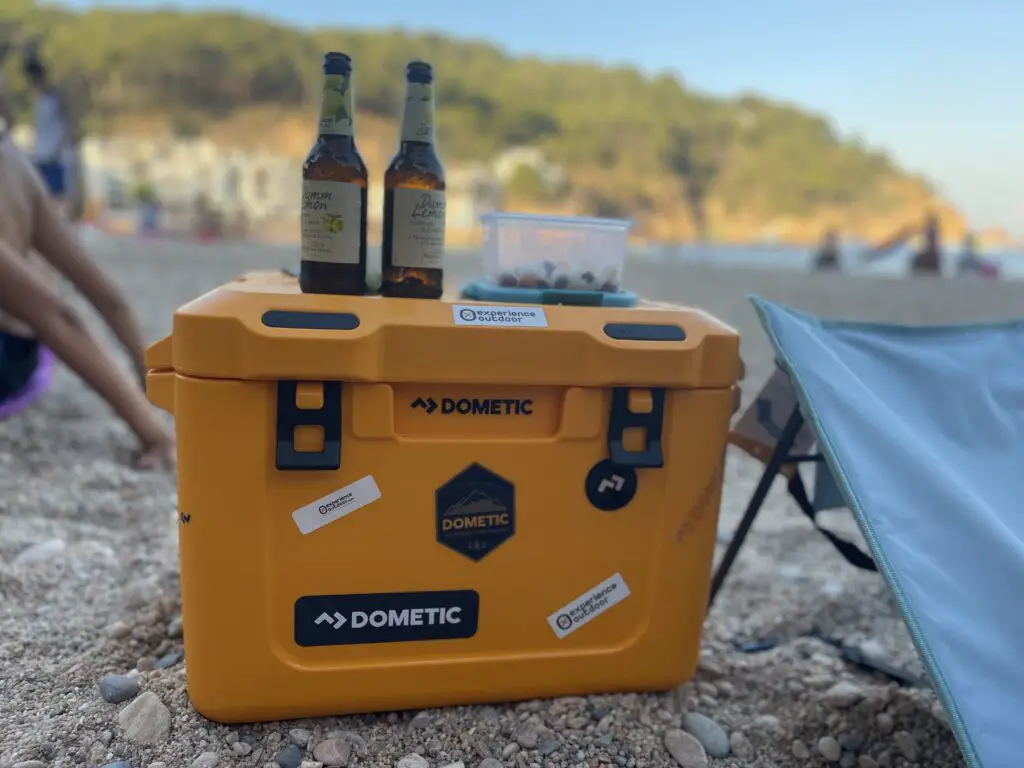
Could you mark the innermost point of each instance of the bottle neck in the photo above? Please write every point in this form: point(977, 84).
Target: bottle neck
point(337, 114)
point(418, 117)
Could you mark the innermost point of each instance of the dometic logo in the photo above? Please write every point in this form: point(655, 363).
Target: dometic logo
point(415, 617)
point(390, 617)
point(475, 512)
point(474, 406)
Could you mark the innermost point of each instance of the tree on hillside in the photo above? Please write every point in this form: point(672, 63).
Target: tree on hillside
point(697, 156)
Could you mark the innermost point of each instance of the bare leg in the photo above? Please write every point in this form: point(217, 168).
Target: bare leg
point(27, 298)
point(55, 239)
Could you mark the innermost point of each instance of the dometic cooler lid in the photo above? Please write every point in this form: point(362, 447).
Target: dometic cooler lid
point(262, 327)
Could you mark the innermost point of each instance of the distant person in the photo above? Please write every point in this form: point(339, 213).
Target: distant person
point(827, 257)
point(928, 260)
point(36, 319)
point(56, 151)
point(970, 263)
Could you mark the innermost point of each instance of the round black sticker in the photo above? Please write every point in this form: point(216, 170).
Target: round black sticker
point(610, 487)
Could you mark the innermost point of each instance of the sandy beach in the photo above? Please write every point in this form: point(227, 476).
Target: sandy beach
point(89, 587)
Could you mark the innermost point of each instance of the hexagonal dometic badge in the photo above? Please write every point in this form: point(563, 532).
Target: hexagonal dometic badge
point(475, 512)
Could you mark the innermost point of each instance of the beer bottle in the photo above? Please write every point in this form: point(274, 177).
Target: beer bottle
point(412, 247)
point(334, 184)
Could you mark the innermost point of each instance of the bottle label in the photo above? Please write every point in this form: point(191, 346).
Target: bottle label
point(418, 229)
point(331, 221)
point(418, 118)
point(336, 112)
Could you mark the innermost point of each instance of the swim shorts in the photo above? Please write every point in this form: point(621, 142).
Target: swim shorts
point(19, 358)
point(53, 175)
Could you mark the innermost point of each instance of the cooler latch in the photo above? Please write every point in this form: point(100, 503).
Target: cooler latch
point(290, 416)
point(625, 416)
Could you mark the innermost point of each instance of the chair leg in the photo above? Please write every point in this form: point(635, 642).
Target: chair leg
point(778, 458)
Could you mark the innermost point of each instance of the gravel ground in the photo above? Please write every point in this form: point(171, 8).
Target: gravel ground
point(89, 589)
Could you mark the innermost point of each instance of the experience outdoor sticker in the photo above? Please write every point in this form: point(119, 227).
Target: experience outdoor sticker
point(502, 317)
point(589, 605)
point(336, 505)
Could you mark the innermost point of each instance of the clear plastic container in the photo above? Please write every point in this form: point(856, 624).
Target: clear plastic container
point(562, 252)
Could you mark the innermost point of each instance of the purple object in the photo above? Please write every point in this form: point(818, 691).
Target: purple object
point(34, 389)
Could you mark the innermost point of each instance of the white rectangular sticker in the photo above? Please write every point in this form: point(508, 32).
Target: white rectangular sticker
point(336, 505)
point(504, 317)
point(589, 605)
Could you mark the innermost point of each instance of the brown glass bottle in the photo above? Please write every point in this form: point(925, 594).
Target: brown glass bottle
point(334, 186)
point(412, 244)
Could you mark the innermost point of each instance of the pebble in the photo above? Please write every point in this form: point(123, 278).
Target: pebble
point(709, 733)
point(866, 762)
point(146, 720)
point(115, 765)
point(510, 750)
point(351, 737)
point(768, 723)
point(548, 743)
point(527, 734)
point(157, 765)
point(421, 720)
point(206, 760)
point(118, 630)
point(741, 746)
point(333, 752)
point(168, 661)
point(685, 749)
point(299, 737)
point(241, 748)
point(118, 688)
point(848, 760)
point(40, 552)
point(800, 750)
point(290, 757)
point(885, 723)
point(413, 761)
point(174, 627)
point(30, 764)
point(843, 694)
point(906, 744)
point(311, 764)
point(461, 764)
point(830, 749)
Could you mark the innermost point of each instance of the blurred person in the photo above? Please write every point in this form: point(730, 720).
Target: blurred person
point(36, 319)
point(827, 257)
point(928, 259)
point(970, 263)
point(56, 126)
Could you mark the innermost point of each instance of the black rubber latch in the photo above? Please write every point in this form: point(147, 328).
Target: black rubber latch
point(644, 332)
point(621, 419)
point(310, 321)
point(290, 416)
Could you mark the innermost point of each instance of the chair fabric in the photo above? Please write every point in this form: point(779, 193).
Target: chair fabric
point(922, 428)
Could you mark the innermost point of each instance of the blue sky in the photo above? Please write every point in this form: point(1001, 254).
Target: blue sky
point(936, 83)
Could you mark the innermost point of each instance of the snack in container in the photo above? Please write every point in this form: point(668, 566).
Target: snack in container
point(555, 252)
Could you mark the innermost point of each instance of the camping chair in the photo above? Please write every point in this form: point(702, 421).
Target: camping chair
point(922, 428)
point(783, 449)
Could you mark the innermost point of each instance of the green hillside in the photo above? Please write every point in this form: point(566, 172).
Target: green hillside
point(632, 145)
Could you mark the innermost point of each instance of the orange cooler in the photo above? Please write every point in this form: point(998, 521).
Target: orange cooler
point(395, 503)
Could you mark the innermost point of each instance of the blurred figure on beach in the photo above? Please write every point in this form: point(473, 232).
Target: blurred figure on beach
point(928, 259)
point(827, 257)
point(970, 263)
point(34, 319)
point(57, 134)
